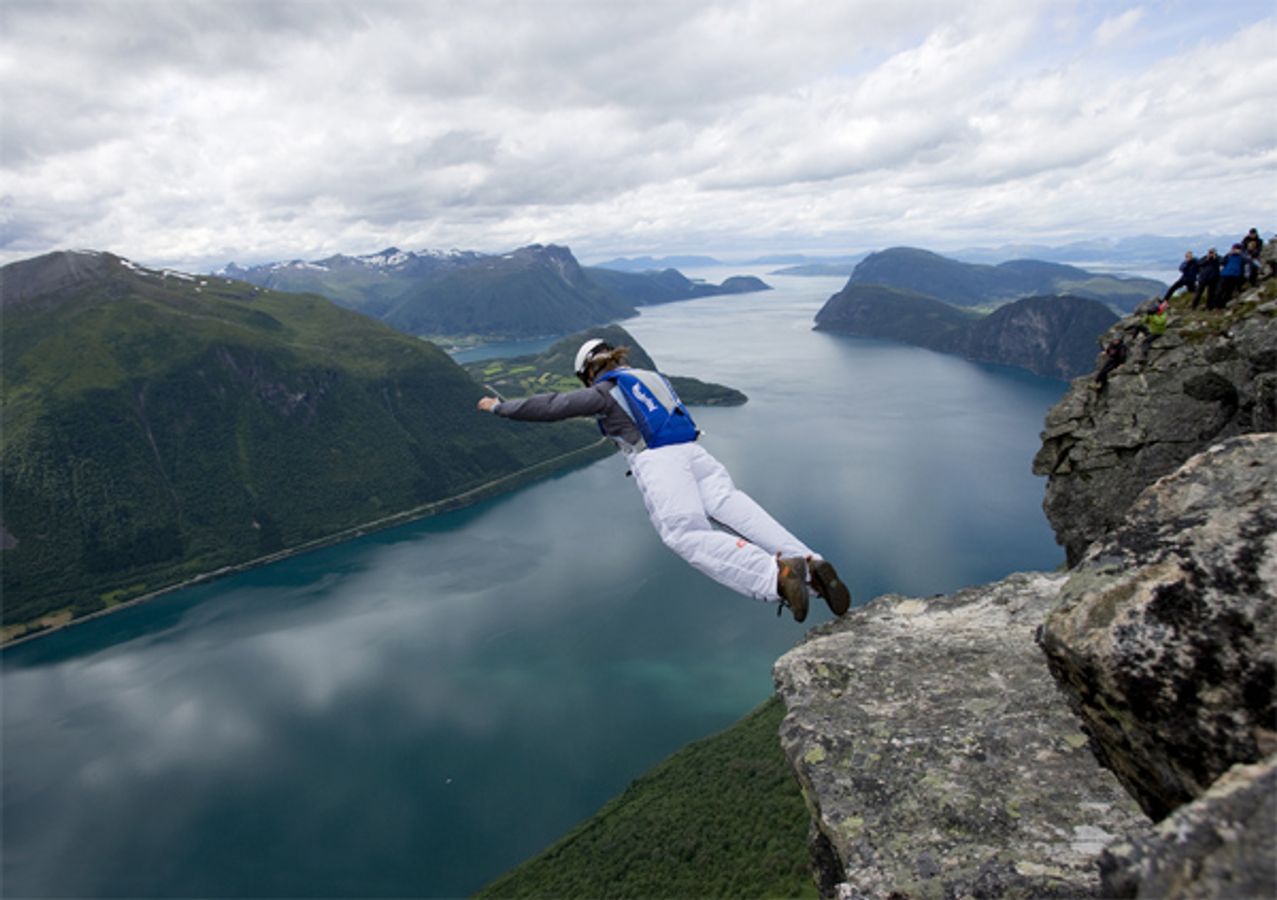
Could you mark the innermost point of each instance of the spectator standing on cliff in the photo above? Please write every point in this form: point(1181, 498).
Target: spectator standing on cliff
point(1253, 245)
point(1187, 275)
point(1231, 272)
point(1207, 279)
point(1115, 354)
point(696, 509)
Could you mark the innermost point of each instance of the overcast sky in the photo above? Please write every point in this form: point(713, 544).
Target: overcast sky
point(190, 134)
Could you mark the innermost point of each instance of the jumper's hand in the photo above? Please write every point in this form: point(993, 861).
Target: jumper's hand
point(487, 403)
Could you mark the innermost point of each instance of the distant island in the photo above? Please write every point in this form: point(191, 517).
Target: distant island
point(1050, 336)
point(1038, 316)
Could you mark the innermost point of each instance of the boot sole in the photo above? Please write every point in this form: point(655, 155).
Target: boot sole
point(830, 586)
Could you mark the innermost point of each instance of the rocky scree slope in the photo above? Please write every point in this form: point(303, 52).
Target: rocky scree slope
point(1018, 739)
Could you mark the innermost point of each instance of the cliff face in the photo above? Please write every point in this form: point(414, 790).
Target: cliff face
point(1211, 376)
point(1003, 740)
point(1162, 638)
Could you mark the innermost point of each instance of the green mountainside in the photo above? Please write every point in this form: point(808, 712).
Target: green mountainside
point(978, 284)
point(552, 370)
point(531, 292)
point(874, 310)
point(158, 426)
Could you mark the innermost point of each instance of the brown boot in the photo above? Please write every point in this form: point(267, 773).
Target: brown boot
point(791, 584)
point(827, 583)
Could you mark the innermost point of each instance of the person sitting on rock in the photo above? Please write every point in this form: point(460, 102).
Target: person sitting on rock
point(1187, 275)
point(1153, 326)
point(1207, 279)
point(690, 498)
point(1115, 354)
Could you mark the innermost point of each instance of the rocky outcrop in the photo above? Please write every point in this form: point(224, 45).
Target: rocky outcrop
point(936, 751)
point(1217, 848)
point(937, 757)
point(1163, 635)
point(45, 280)
point(1211, 376)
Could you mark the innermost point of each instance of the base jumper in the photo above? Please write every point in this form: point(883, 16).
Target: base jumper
point(690, 498)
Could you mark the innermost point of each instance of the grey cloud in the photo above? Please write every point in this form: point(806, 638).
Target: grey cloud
point(179, 128)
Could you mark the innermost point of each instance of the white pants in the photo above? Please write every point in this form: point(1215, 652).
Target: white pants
point(686, 492)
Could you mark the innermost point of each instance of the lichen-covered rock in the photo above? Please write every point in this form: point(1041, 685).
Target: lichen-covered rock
point(1163, 639)
point(1219, 847)
point(936, 753)
point(1211, 376)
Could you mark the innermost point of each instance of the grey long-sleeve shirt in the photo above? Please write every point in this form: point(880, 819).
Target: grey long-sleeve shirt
point(594, 401)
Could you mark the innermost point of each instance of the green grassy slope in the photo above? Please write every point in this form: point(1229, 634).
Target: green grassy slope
point(723, 817)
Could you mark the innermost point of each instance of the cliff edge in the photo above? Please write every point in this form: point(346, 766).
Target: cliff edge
point(1107, 731)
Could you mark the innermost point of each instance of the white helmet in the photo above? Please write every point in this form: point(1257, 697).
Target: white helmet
point(587, 351)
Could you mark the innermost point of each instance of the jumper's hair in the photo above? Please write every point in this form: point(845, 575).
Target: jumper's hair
point(602, 362)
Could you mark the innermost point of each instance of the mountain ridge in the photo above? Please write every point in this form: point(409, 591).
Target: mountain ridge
point(980, 284)
point(533, 291)
point(530, 292)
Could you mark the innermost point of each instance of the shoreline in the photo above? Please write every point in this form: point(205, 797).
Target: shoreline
point(497, 486)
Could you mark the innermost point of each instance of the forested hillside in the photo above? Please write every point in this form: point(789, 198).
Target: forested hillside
point(158, 426)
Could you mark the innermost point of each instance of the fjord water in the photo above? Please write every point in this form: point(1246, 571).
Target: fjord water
point(416, 711)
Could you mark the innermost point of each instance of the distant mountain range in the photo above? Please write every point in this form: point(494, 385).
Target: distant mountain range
point(531, 292)
point(657, 264)
point(1147, 251)
point(669, 285)
point(159, 425)
point(1139, 253)
point(534, 291)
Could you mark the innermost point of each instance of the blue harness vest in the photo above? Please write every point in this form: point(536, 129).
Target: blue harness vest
point(651, 402)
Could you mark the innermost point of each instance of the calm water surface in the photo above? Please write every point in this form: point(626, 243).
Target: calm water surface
point(414, 712)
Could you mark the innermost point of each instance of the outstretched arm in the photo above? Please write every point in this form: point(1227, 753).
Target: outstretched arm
point(550, 407)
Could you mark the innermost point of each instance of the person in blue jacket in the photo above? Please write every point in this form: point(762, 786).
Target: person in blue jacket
point(690, 498)
point(1231, 273)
